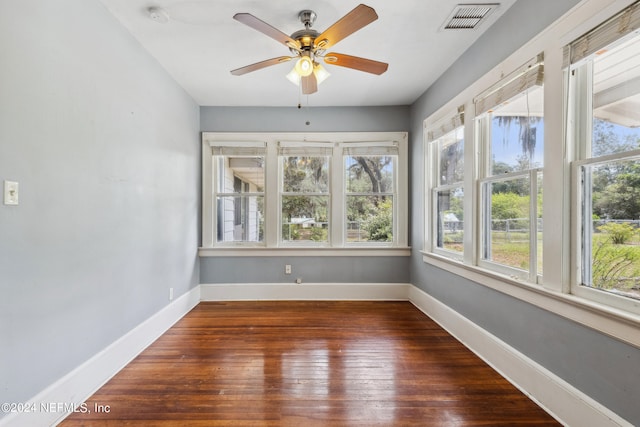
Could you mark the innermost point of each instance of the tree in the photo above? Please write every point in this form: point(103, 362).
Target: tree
point(374, 168)
point(526, 132)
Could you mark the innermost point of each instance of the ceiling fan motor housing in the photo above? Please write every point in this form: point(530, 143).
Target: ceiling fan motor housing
point(307, 17)
point(307, 36)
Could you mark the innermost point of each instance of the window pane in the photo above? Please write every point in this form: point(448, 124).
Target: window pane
point(450, 230)
point(240, 218)
point(303, 174)
point(369, 174)
point(507, 233)
point(369, 218)
point(611, 209)
point(232, 170)
point(305, 218)
point(616, 96)
point(517, 133)
point(451, 157)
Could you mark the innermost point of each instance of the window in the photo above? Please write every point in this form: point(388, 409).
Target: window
point(446, 150)
point(239, 193)
point(510, 124)
point(604, 70)
point(370, 192)
point(342, 190)
point(304, 194)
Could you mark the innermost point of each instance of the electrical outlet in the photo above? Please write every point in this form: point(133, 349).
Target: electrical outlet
point(287, 269)
point(170, 294)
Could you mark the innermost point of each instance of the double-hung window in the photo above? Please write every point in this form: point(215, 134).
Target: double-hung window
point(370, 192)
point(510, 133)
point(305, 192)
point(316, 190)
point(238, 192)
point(603, 68)
point(446, 161)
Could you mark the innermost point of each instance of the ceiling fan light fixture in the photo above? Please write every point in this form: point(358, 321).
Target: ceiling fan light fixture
point(294, 77)
point(304, 66)
point(321, 73)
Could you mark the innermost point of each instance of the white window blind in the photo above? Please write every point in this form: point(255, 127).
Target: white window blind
point(238, 148)
point(526, 77)
point(305, 149)
point(389, 148)
point(622, 24)
point(447, 125)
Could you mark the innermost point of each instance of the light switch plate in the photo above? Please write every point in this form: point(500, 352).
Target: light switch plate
point(10, 193)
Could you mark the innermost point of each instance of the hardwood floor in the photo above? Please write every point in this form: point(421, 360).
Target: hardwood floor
point(304, 363)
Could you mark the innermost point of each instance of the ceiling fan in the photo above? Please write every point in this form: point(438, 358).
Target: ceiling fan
point(309, 46)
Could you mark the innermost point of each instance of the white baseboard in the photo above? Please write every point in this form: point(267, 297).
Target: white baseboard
point(304, 291)
point(77, 386)
point(567, 404)
point(560, 399)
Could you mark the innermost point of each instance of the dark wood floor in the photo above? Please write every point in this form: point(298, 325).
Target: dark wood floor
point(308, 364)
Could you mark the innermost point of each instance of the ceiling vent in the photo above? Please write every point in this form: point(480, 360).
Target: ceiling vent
point(468, 16)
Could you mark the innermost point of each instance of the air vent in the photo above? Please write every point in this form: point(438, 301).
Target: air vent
point(468, 16)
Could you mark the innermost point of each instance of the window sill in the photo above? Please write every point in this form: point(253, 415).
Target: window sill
point(303, 251)
point(619, 324)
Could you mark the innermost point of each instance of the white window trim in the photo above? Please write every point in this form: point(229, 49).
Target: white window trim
point(272, 246)
point(554, 295)
point(434, 128)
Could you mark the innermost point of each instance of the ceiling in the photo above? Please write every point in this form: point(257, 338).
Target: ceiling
point(201, 43)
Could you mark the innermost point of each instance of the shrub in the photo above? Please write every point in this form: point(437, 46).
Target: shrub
point(380, 226)
point(613, 265)
point(619, 233)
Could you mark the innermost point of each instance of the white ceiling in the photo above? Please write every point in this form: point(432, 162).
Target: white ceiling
point(202, 43)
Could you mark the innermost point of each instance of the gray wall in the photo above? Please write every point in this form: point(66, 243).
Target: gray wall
point(106, 148)
point(601, 367)
point(311, 269)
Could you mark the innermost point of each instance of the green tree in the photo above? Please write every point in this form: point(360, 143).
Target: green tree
point(621, 198)
point(509, 206)
point(380, 226)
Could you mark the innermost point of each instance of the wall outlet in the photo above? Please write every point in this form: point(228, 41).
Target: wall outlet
point(10, 193)
point(287, 269)
point(170, 294)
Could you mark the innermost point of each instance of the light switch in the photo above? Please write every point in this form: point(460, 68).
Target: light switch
point(10, 193)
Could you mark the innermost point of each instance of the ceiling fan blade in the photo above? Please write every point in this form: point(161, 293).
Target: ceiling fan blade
point(359, 17)
point(259, 25)
point(260, 65)
point(357, 63)
point(309, 84)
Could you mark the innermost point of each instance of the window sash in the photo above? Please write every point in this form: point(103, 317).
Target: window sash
point(435, 229)
point(532, 274)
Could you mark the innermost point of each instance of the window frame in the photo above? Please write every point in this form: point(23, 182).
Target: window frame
point(451, 122)
point(522, 79)
point(272, 243)
point(579, 71)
